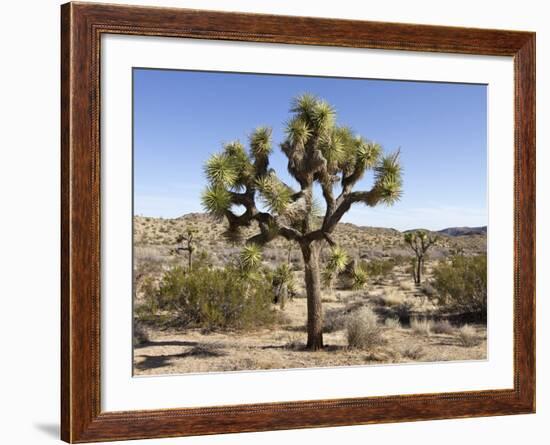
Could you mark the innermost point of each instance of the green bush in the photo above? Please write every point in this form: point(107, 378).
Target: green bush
point(379, 269)
point(359, 277)
point(462, 283)
point(216, 298)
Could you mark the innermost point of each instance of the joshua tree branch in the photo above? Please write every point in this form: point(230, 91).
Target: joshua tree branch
point(345, 201)
point(330, 202)
point(349, 181)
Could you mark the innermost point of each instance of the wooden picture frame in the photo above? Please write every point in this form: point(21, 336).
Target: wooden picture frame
point(82, 25)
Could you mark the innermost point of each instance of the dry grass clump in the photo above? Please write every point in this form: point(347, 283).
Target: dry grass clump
point(294, 342)
point(334, 320)
point(422, 326)
point(141, 335)
point(363, 329)
point(392, 323)
point(406, 285)
point(468, 336)
point(412, 352)
point(393, 297)
point(443, 327)
point(429, 290)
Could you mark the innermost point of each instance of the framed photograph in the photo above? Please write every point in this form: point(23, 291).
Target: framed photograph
point(274, 222)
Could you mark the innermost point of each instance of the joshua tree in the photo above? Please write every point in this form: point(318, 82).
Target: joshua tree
point(419, 241)
point(283, 284)
point(336, 264)
point(188, 238)
point(319, 152)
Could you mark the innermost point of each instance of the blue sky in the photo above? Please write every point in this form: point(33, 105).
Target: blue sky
point(182, 117)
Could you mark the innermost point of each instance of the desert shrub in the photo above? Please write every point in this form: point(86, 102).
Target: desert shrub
point(334, 320)
point(392, 323)
point(421, 326)
point(141, 336)
point(429, 290)
point(406, 285)
point(392, 297)
point(202, 259)
point(412, 352)
point(399, 260)
point(379, 269)
point(443, 327)
point(403, 310)
point(148, 261)
point(363, 330)
point(468, 336)
point(359, 278)
point(216, 298)
point(149, 289)
point(462, 283)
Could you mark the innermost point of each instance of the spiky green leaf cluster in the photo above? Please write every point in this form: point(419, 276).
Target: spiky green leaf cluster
point(275, 195)
point(311, 115)
point(260, 142)
point(241, 164)
point(388, 179)
point(338, 259)
point(358, 154)
point(367, 153)
point(298, 132)
point(220, 170)
point(283, 276)
point(216, 200)
point(250, 257)
point(332, 146)
point(304, 106)
point(323, 115)
point(360, 277)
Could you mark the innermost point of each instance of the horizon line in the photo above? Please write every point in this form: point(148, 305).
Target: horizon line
point(341, 222)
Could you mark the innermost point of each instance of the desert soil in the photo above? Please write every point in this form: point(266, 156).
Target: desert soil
point(173, 352)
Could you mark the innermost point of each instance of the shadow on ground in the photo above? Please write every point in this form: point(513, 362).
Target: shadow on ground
point(159, 361)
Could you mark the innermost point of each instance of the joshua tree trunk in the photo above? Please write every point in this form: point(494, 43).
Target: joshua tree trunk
point(418, 276)
point(310, 253)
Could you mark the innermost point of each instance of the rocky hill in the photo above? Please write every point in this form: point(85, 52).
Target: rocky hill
point(464, 231)
point(360, 241)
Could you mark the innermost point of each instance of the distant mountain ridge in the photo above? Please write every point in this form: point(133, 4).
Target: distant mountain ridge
point(463, 231)
point(455, 231)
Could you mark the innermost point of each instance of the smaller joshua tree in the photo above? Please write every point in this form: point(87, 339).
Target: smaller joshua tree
point(283, 284)
point(419, 241)
point(337, 262)
point(189, 247)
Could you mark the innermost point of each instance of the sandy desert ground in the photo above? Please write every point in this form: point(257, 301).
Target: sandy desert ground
point(169, 351)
